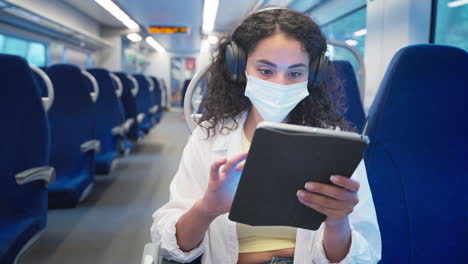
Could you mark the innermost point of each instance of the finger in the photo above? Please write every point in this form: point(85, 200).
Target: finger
point(326, 211)
point(214, 169)
point(234, 160)
point(329, 190)
point(345, 182)
point(240, 166)
point(325, 201)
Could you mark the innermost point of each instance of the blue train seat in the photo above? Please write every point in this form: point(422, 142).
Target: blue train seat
point(144, 102)
point(110, 126)
point(164, 93)
point(157, 98)
point(123, 130)
point(24, 159)
point(128, 98)
point(417, 159)
point(355, 111)
point(73, 128)
point(184, 91)
point(154, 105)
point(39, 82)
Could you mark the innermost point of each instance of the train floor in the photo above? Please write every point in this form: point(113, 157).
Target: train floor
point(112, 224)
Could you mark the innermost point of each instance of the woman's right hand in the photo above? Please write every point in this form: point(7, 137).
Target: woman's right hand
point(224, 178)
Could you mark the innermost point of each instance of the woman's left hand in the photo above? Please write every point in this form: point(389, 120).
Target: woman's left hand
point(333, 201)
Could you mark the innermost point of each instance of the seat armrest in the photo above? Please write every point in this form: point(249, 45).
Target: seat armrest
point(150, 254)
point(122, 129)
point(118, 131)
point(91, 145)
point(140, 117)
point(128, 124)
point(47, 174)
point(196, 117)
point(154, 109)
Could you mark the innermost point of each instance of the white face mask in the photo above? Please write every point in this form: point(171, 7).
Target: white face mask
point(274, 101)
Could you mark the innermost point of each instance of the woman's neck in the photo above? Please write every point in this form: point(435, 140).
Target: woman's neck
point(253, 118)
point(251, 122)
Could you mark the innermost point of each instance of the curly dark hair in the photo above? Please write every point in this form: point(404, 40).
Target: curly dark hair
point(225, 99)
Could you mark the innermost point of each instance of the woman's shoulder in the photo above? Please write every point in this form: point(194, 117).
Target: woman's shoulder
point(203, 136)
point(210, 131)
point(207, 134)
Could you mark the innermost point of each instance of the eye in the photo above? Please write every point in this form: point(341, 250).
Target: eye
point(265, 71)
point(296, 75)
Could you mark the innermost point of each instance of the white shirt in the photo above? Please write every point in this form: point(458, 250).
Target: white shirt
point(220, 244)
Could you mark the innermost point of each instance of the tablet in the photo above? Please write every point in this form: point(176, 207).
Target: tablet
point(281, 159)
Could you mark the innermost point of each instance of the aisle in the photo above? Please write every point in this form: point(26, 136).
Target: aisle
point(113, 224)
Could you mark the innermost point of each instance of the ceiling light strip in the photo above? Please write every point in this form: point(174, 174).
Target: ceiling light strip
point(457, 3)
point(153, 43)
point(210, 9)
point(118, 13)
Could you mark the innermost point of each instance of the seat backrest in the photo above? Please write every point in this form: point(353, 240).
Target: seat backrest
point(72, 120)
point(164, 92)
point(40, 84)
point(129, 103)
point(144, 96)
point(355, 111)
point(127, 98)
point(184, 91)
point(417, 160)
point(157, 91)
point(109, 109)
point(25, 140)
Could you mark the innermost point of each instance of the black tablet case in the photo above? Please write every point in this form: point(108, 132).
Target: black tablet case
point(279, 163)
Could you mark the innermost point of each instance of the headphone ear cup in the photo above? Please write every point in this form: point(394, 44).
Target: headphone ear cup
point(242, 64)
point(316, 76)
point(231, 60)
point(312, 74)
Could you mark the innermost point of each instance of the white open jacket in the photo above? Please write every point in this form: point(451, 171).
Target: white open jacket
point(220, 244)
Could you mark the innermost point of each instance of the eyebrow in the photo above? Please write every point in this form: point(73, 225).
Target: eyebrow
point(274, 65)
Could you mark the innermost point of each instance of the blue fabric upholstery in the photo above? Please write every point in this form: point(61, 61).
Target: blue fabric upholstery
point(157, 97)
point(417, 160)
point(14, 234)
point(39, 83)
point(73, 122)
point(355, 111)
point(110, 113)
point(144, 102)
point(25, 144)
point(130, 105)
point(184, 91)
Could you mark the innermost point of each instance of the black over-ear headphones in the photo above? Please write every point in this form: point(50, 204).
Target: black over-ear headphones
point(236, 58)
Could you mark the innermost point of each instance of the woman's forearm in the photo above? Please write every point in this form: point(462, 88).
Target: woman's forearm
point(191, 227)
point(337, 240)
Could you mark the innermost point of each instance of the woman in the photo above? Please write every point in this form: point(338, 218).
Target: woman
point(281, 82)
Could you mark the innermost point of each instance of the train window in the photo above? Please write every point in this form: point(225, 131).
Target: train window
point(36, 54)
point(33, 52)
point(351, 29)
point(451, 23)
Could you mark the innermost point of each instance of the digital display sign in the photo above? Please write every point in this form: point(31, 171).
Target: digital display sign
point(167, 30)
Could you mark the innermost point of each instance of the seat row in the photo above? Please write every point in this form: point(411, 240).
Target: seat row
point(96, 115)
point(60, 126)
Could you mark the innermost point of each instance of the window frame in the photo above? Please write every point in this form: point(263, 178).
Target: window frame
point(433, 25)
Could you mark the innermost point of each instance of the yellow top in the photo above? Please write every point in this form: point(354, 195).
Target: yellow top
point(263, 238)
